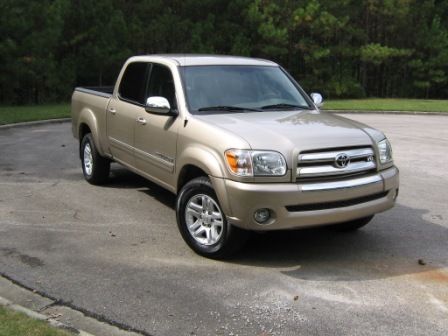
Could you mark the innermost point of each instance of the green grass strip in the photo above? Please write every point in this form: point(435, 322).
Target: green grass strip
point(387, 104)
point(18, 324)
point(15, 114)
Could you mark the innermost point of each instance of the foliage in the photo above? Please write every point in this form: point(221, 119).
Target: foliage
point(344, 48)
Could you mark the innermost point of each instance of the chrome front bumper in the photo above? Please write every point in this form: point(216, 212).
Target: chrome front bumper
point(299, 205)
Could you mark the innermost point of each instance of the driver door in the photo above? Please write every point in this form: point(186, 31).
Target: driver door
point(156, 134)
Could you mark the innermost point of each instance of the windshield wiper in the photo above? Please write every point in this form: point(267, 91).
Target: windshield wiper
point(226, 108)
point(284, 106)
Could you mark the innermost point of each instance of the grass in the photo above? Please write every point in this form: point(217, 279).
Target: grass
point(18, 324)
point(15, 114)
point(388, 104)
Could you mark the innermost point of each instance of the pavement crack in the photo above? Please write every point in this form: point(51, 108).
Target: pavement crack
point(53, 304)
point(69, 304)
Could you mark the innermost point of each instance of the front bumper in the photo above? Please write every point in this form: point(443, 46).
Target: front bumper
point(307, 204)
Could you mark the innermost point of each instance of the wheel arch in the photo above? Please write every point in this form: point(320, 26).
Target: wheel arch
point(187, 173)
point(190, 172)
point(197, 161)
point(83, 129)
point(87, 123)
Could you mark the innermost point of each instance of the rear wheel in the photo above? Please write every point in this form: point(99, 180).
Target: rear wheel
point(94, 167)
point(352, 225)
point(203, 224)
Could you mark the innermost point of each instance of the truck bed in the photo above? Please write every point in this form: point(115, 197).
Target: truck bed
point(103, 91)
point(90, 103)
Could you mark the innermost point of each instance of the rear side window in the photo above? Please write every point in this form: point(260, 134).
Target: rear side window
point(133, 82)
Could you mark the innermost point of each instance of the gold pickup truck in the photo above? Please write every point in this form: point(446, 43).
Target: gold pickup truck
point(239, 142)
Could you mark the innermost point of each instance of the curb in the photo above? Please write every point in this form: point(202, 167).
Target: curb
point(36, 123)
point(37, 316)
point(387, 112)
point(115, 328)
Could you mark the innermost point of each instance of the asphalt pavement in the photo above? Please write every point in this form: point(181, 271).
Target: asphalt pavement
point(114, 251)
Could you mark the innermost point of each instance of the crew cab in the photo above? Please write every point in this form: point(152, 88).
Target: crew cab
point(239, 142)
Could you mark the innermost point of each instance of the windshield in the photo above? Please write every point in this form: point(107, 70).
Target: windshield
point(240, 88)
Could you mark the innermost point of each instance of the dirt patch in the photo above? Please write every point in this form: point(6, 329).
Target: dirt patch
point(24, 258)
point(434, 276)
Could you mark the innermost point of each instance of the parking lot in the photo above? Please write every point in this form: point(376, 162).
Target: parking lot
point(115, 252)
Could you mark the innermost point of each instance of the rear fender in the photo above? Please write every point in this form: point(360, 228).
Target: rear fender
point(87, 117)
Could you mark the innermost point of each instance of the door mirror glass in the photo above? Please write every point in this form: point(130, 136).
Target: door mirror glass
point(159, 105)
point(317, 99)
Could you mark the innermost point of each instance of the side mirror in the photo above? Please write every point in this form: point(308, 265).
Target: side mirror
point(159, 105)
point(317, 99)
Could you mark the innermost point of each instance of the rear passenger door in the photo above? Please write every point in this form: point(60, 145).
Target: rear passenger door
point(156, 137)
point(124, 109)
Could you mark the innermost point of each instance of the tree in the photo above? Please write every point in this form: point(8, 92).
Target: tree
point(343, 48)
point(32, 32)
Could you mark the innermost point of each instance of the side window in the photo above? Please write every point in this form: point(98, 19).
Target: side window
point(161, 84)
point(133, 82)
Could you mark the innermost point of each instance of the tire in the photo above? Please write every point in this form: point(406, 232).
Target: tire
point(94, 167)
point(203, 224)
point(352, 225)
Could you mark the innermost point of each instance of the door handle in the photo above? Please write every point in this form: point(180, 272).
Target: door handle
point(112, 110)
point(141, 121)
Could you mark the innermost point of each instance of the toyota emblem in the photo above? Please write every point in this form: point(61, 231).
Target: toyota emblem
point(342, 160)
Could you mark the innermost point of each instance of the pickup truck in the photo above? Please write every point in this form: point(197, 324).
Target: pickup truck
point(239, 142)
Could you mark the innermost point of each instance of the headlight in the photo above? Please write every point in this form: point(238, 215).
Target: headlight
point(255, 163)
point(268, 163)
point(385, 150)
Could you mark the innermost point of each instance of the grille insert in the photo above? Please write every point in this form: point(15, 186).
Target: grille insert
point(339, 162)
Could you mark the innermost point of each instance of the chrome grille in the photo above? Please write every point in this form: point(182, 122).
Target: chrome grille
point(337, 162)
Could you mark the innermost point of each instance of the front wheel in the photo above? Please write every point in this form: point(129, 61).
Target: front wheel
point(203, 224)
point(94, 167)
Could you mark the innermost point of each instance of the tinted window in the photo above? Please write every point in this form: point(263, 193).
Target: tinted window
point(161, 84)
point(133, 83)
point(239, 85)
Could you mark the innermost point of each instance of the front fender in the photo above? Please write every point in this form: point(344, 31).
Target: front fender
point(212, 163)
point(202, 157)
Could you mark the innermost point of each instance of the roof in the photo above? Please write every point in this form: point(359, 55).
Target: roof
point(193, 59)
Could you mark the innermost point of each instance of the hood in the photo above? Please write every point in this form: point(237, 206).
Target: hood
point(292, 131)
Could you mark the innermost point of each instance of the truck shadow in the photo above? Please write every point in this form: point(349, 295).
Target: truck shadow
point(397, 242)
point(122, 178)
